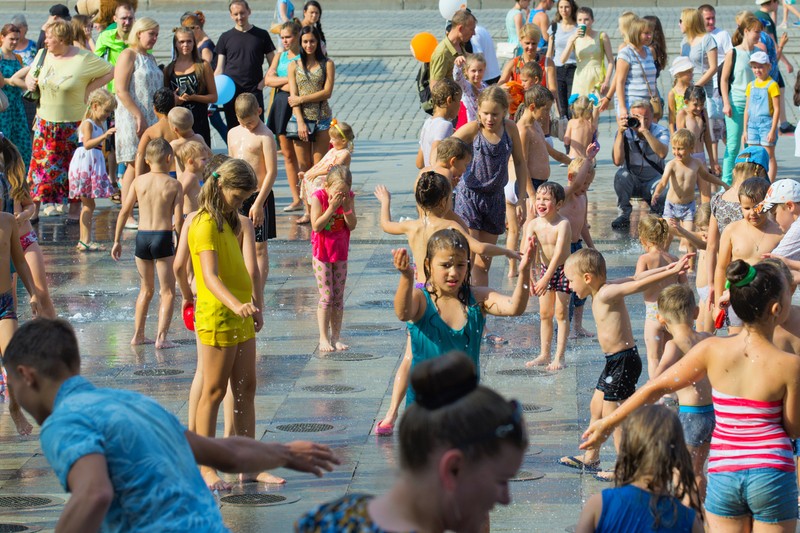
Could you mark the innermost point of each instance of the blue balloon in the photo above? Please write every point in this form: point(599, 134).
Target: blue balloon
point(225, 89)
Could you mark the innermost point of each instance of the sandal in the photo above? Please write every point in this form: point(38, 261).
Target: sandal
point(606, 476)
point(49, 211)
point(384, 430)
point(293, 207)
point(116, 197)
point(90, 247)
point(573, 461)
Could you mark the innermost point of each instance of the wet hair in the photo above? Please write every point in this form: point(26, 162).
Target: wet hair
point(653, 447)
point(692, 23)
point(624, 23)
point(530, 31)
point(532, 69)
point(317, 24)
point(573, 11)
point(452, 411)
point(588, 261)
point(676, 304)
point(555, 190)
point(659, 44)
point(451, 240)
point(141, 25)
point(748, 169)
point(583, 108)
point(339, 174)
point(683, 138)
point(246, 105)
point(61, 30)
point(780, 265)
point(14, 168)
point(702, 216)
point(78, 24)
point(100, 97)
point(496, 94)
point(452, 147)
point(654, 230)
point(751, 302)
point(695, 93)
point(745, 21)
point(190, 150)
point(163, 100)
point(583, 10)
point(157, 151)
point(213, 164)
point(443, 90)
point(538, 96)
point(232, 174)
point(48, 345)
point(754, 188)
point(9, 28)
point(194, 18)
point(432, 189)
point(242, 2)
point(635, 29)
point(180, 118)
point(199, 65)
point(318, 53)
point(462, 17)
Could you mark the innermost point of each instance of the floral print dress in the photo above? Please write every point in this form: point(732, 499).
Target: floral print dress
point(13, 122)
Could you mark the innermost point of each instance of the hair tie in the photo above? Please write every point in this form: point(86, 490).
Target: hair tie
point(572, 98)
point(593, 98)
point(751, 275)
point(448, 395)
point(215, 175)
point(335, 124)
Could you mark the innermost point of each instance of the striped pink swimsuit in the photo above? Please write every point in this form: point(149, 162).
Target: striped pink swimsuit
point(748, 434)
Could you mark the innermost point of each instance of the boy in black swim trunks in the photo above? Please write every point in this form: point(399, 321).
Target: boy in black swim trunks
point(160, 202)
point(586, 272)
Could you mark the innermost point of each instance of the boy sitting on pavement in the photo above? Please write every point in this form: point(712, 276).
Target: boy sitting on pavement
point(586, 272)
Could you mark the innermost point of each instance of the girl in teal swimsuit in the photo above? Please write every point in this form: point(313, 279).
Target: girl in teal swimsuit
point(447, 314)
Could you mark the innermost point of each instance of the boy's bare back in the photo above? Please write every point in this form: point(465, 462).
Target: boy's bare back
point(159, 130)
point(650, 261)
point(179, 141)
point(190, 183)
point(158, 195)
point(535, 149)
point(574, 210)
point(252, 147)
point(700, 392)
point(581, 132)
point(696, 125)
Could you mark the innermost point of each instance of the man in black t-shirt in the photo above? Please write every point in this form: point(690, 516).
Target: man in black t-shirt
point(240, 55)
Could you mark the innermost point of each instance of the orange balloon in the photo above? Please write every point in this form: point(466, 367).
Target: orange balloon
point(422, 46)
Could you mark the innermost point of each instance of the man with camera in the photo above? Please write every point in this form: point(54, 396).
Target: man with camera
point(639, 149)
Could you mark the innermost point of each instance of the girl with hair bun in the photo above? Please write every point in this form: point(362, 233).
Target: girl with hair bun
point(756, 395)
point(460, 443)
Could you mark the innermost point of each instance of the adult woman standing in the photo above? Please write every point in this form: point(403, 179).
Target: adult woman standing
point(736, 74)
point(460, 443)
point(13, 122)
point(281, 111)
point(312, 16)
point(26, 49)
point(701, 49)
point(136, 79)
point(284, 11)
point(636, 71)
point(192, 80)
point(559, 34)
point(66, 77)
point(515, 19)
point(310, 86)
point(593, 56)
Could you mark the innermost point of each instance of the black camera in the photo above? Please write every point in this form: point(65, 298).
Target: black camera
point(633, 123)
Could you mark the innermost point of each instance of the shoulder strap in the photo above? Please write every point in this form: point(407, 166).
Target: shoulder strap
point(19, 59)
point(644, 74)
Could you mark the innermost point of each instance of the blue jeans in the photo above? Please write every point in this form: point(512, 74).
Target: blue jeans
point(768, 494)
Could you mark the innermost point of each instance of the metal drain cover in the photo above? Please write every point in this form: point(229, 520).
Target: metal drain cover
point(333, 389)
point(159, 372)
point(527, 475)
point(257, 499)
point(380, 304)
point(527, 372)
point(13, 528)
point(535, 408)
point(347, 356)
point(27, 501)
point(304, 427)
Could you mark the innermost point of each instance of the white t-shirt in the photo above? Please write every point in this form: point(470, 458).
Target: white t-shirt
point(482, 43)
point(724, 43)
point(789, 246)
point(434, 129)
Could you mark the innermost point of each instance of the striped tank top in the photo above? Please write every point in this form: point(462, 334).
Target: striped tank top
point(748, 434)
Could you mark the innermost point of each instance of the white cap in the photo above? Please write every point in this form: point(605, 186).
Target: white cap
point(762, 2)
point(680, 64)
point(780, 192)
point(760, 57)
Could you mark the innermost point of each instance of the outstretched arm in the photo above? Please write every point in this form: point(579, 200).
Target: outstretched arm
point(495, 303)
point(644, 280)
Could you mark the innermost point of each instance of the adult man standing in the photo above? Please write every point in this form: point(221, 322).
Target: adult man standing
point(765, 13)
point(639, 149)
point(112, 41)
point(240, 55)
point(128, 463)
point(444, 56)
point(724, 44)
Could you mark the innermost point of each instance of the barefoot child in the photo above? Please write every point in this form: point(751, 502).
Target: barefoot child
point(160, 199)
point(447, 313)
point(453, 156)
point(582, 127)
point(313, 179)
point(676, 313)
point(446, 99)
point(747, 239)
point(682, 71)
point(468, 72)
point(693, 117)
point(652, 482)
point(333, 217)
point(552, 234)
point(253, 141)
point(163, 103)
point(762, 111)
point(181, 122)
point(586, 272)
point(698, 239)
point(88, 178)
point(192, 157)
point(655, 238)
point(433, 194)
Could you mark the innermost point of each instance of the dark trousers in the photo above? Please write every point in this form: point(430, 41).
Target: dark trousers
point(564, 76)
point(230, 107)
point(628, 186)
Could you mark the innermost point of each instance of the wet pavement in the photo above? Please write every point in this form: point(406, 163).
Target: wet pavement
point(340, 395)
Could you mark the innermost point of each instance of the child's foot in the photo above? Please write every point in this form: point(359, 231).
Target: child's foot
point(140, 339)
point(579, 462)
point(558, 364)
point(513, 272)
point(165, 344)
point(579, 332)
point(606, 476)
point(214, 482)
point(340, 346)
point(539, 361)
point(263, 477)
point(326, 346)
point(23, 426)
point(305, 219)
